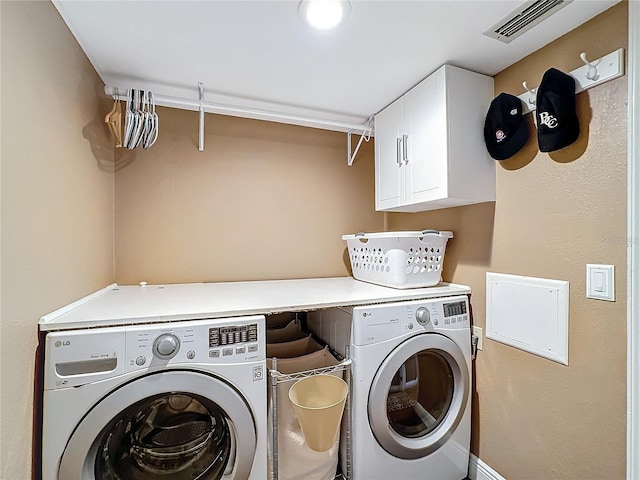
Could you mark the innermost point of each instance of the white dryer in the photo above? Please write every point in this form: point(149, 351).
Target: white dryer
point(411, 387)
point(182, 400)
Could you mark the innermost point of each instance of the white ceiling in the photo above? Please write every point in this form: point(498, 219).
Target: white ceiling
point(259, 54)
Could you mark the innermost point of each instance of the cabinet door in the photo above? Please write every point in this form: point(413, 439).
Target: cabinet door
point(389, 169)
point(425, 125)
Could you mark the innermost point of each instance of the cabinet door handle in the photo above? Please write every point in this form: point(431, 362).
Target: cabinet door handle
point(405, 145)
point(398, 150)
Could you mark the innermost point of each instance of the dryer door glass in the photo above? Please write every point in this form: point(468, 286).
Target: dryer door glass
point(420, 394)
point(175, 435)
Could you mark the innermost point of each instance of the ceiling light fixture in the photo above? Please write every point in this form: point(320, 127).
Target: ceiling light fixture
point(324, 14)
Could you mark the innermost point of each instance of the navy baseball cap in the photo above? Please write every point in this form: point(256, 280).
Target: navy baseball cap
point(505, 129)
point(556, 118)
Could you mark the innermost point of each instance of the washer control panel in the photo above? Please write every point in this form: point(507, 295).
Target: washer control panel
point(166, 346)
point(76, 357)
point(200, 341)
point(423, 316)
point(231, 335)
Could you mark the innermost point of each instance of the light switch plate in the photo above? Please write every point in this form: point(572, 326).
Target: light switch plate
point(600, 284)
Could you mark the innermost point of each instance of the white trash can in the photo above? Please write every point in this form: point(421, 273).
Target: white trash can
point(318, 402)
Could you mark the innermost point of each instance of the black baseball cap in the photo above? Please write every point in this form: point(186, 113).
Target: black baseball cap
point(556, 117)
point(505, 129)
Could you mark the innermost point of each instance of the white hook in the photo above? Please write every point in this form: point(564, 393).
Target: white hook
point(592, 71)
point(532, 94)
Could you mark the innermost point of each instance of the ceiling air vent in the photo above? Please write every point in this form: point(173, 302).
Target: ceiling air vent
point(523, 18)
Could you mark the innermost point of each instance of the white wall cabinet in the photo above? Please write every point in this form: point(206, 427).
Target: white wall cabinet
point(430, 150)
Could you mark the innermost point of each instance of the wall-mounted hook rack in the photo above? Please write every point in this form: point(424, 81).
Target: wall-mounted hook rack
point(592, 73)
point(531, 99)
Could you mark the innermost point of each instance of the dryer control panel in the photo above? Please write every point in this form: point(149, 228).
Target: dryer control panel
point(377, 323)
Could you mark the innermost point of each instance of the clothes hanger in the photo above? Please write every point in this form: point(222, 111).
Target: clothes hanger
point(130, 120)
point(114, 120)
point(152, 132)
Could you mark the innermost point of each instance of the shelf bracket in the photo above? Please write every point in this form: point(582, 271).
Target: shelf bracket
point(365, 135)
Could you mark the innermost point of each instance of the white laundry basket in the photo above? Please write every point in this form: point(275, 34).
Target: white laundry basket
point(398, 259)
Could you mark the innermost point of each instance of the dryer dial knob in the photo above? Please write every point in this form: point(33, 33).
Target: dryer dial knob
point(166, 346)
point(423, 316)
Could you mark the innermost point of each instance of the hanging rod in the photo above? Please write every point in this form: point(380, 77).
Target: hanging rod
point(592, 73)
point(259, 114)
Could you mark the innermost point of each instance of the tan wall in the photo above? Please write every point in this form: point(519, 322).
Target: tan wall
point(533, 418)
point(271, 201)
point(57, 200)
point(263, 201)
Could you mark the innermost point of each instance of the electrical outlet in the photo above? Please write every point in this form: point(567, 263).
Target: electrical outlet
point(477, 331)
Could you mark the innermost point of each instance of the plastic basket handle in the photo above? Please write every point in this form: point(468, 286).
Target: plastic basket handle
point(424, 238)
point(361, 234)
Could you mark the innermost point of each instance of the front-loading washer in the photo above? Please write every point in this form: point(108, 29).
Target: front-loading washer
point(410, 388)
point(181, 400)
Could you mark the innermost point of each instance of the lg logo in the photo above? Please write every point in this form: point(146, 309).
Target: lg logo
point(64, 343)
point(366, 314)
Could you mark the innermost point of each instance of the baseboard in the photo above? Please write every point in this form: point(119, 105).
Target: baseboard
point(478, 470)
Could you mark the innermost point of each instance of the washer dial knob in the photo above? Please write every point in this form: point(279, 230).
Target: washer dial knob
point(166, 346)
point(423, 316)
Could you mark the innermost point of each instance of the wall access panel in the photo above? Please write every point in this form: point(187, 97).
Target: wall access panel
point(528, 313)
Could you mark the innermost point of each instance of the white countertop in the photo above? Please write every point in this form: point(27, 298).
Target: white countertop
point(120, 305)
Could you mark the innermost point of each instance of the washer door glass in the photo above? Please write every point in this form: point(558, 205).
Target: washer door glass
point(418, 395)
point(176, 435)
point(174, 425)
